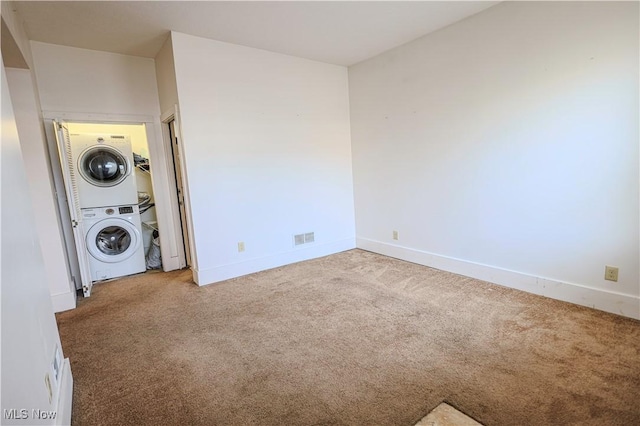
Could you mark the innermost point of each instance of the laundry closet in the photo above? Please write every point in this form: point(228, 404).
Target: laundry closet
point(108, 182)
point(107, 115)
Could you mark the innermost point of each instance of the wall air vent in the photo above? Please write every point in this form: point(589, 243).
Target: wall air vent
point(300, 239)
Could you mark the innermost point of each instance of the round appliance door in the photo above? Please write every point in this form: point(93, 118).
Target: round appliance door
point(113, 240)
point(103, 165)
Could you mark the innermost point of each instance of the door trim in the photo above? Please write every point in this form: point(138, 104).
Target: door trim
point(165, 118)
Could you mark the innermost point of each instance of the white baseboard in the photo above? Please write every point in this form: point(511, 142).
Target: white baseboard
point(618, 303)
point(65, 398)
point(225, 272)
point(63, 301)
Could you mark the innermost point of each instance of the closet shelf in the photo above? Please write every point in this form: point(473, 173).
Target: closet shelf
point(151, 224)
point(142, 168)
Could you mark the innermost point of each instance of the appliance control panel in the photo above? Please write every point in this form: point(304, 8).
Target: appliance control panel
point(125, 210)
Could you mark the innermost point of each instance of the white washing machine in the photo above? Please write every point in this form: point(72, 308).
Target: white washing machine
point(102, 170)
point(113, 236)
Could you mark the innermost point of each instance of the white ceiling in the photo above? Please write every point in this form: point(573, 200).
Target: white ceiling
point(340, 32)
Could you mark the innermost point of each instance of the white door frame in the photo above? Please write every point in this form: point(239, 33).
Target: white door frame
point(165, 118)
point(159, 176)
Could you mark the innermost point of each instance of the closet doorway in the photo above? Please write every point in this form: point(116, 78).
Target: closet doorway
point(154, 173)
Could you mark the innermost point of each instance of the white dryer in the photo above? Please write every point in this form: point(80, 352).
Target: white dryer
point(102, 170)
point(114, 241)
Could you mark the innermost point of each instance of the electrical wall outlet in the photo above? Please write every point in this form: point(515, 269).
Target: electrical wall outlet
point(56, 367)
point(240, 246)
point(611, 273)
point(47, 383)
point(395, 235)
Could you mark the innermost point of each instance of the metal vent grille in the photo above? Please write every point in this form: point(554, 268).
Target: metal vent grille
point(307, 238)
point(298, 239)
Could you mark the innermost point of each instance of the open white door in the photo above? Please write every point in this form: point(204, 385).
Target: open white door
point(68, 173)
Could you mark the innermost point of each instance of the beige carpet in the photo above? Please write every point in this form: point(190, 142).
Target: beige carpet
point(350, 339)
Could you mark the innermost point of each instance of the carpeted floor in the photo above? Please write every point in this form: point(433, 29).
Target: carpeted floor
point(350, 339)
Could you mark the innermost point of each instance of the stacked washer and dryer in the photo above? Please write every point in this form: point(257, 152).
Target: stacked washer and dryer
point(106, 191)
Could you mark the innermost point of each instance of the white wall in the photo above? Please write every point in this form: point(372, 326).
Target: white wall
point(506, 147)
point(29, 332)
point(16, 29)
point(267, 151)
point(23, 88)
point(88, 81)
point(166, 77)
point(29, 123)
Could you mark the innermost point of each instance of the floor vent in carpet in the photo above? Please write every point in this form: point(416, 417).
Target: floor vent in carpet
point(446, 415)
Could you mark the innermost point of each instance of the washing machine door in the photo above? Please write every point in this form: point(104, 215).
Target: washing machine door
point(103, 165)
point(113, 240)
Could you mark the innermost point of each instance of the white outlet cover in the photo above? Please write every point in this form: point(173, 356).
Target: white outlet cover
point(57, 364)
point(47, 382)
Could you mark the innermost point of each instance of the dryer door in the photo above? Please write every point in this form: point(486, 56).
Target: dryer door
point(113, 240)
point(103, 166)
